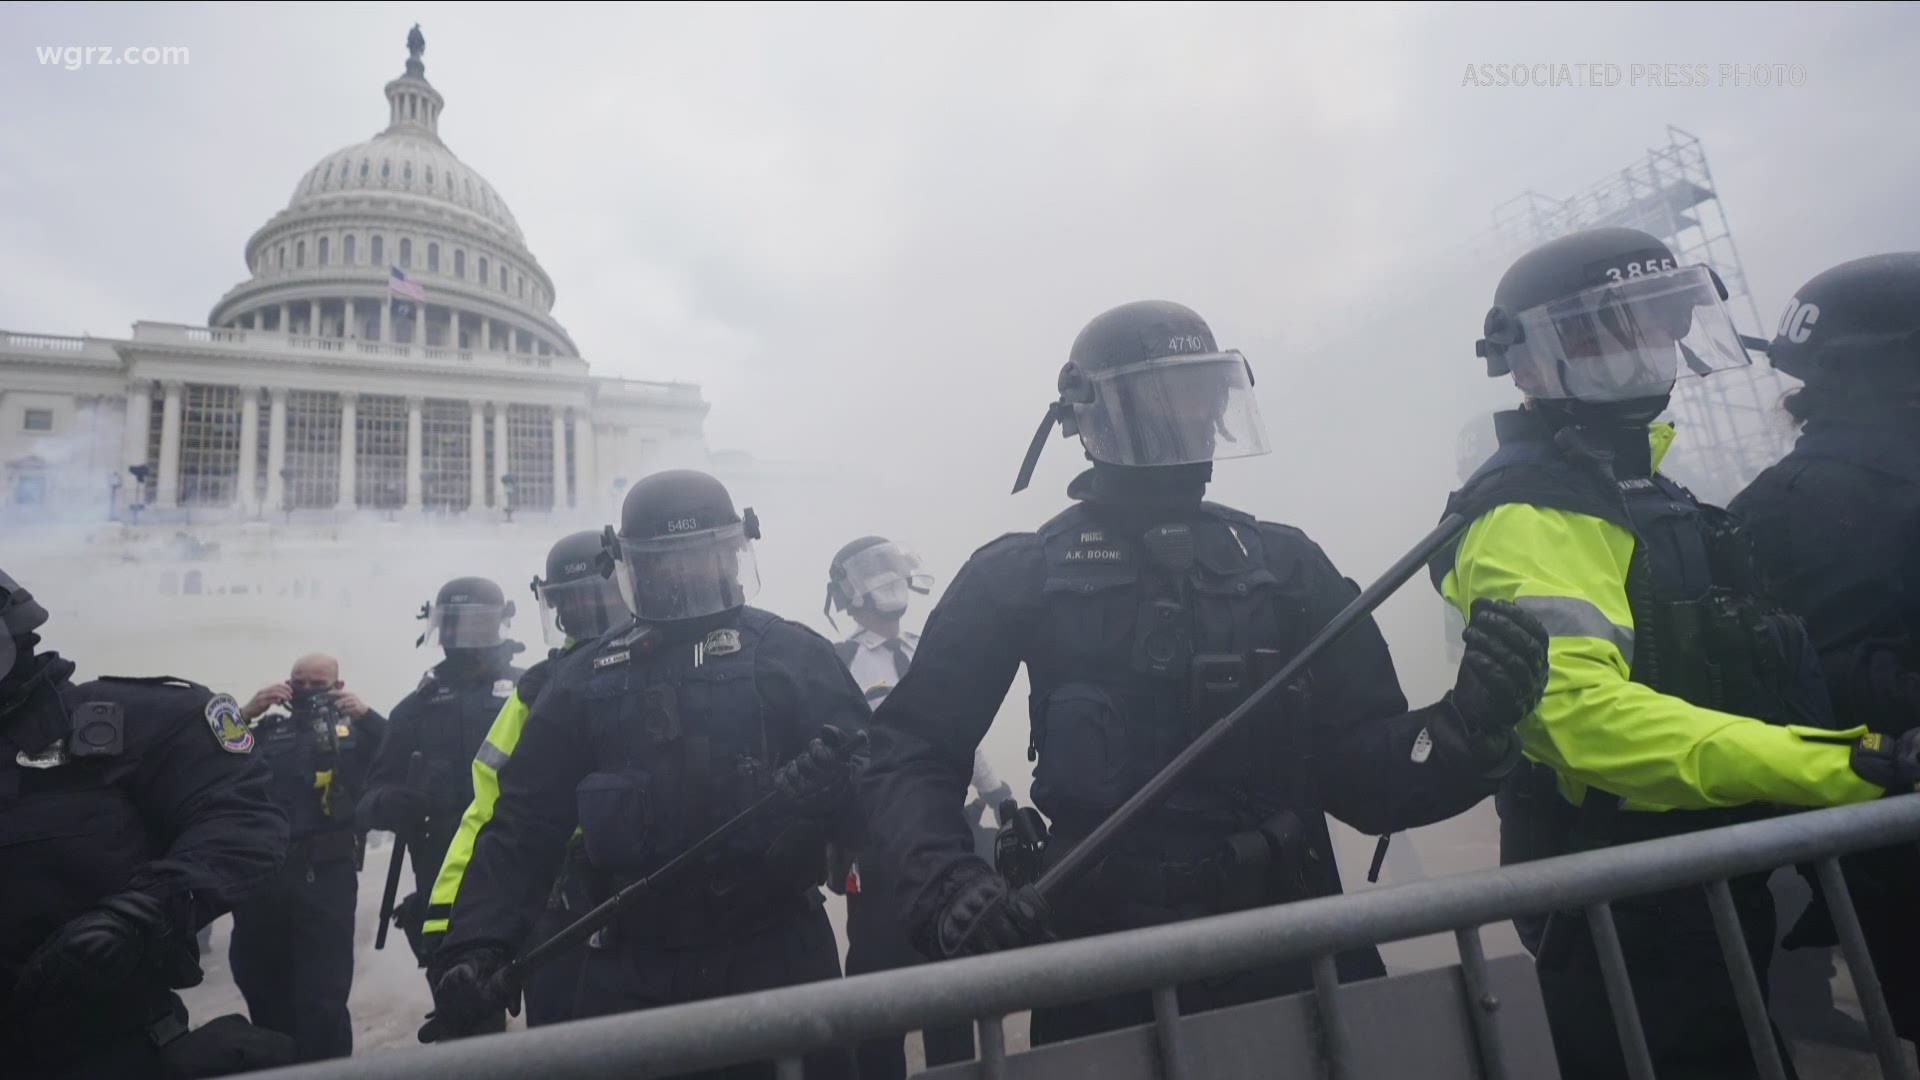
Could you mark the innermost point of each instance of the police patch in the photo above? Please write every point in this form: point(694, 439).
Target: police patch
point(232, 733)
point(722, 643)
point(611, 659)
point(502, 687)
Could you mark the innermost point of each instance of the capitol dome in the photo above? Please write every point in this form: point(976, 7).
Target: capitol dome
point(400, 201)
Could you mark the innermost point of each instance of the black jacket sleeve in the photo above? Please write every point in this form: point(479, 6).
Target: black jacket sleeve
point(804, 687)
point(402, 737)
point(1362, 758)
point(925, 732)
point(226, 838)
point(517, 852)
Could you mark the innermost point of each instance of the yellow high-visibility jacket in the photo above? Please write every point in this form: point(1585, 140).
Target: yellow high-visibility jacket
point(1595, 727)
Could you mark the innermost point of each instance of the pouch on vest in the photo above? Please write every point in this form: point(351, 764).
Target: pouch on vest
point(1084, 752)
point(622, 825)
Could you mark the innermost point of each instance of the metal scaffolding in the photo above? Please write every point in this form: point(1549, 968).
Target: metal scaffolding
point(1731, 422)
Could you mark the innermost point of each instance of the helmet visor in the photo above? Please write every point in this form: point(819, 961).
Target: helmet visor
point(892, 569)
point(1176, 410)
point(1625, 340)
point(579, 610)
point(465, 626)
point(689, 575)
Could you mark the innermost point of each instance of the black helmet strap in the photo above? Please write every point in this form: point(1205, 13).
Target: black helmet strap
point(1057, 413)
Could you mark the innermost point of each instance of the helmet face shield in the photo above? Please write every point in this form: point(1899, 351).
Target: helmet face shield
point(466, 625)
point(1624, 340)
point(1175, 410)
point(579, 610)
point(883, 576)
point(689, 575)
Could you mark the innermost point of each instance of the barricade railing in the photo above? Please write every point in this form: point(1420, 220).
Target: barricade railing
point(783, 1025)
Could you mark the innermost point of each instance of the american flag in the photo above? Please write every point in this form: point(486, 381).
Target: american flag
point(397, 283)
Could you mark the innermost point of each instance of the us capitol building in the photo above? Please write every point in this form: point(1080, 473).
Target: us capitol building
point(321, 387)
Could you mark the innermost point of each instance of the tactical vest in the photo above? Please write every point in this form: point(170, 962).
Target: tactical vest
point(312, 763)
point(1703, 631)
point(1149, 637)
point(681, 745)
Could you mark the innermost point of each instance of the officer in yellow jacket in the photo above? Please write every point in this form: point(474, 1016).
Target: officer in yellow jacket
point(1679, 697)
point(578, 602)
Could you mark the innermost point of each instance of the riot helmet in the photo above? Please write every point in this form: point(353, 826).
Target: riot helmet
point(1856, 326)
point(20, 616)
point(874, 574)
point(467, 613)
point(682, 552)
point(578, 598)
point(1607, 316)
point(1145, 385)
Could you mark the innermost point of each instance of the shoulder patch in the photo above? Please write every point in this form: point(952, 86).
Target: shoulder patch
point(229, 730)
point(502, 687)
point(722, 642)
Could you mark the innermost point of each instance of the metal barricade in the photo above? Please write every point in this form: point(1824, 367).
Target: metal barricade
point(782, 1025)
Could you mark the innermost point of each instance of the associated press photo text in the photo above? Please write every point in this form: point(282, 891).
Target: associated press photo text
point(1670, 76)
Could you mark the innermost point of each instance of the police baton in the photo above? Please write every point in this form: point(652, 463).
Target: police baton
point(416, 778)
point(510, 978)
point(1087, 854)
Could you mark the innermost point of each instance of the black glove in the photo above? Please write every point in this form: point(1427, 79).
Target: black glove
point(1502, 677)
point(465, 1000)
point(817, 779)
point(1892, 761)
point(98, 953)
point(402, 809)
point(1020, 845)
point(987, 915)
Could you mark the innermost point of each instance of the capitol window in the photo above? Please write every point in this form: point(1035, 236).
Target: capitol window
point(460, 264)
point(346, 250)
point(483, 269)
point(503, 279)
point(299, 253)
point(324, 259)
point(433, 257)
point(379, 250)
point(364, 164)
point(328, 179)
point(37, 420)
point(280, 256)
point(522, 283)
point(406, 253)
point(429, 176)
point(406, 172)
point(386, 170)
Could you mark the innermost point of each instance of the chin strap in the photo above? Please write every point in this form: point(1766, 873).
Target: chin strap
point(1057, 412)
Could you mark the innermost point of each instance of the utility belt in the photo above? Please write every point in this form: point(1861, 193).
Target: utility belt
point(1251, 868)
point(332, 845)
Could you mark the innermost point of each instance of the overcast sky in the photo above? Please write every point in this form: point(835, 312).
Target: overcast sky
point(873, 232)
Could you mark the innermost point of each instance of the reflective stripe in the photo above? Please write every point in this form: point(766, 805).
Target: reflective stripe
point(434, 926)
point(1570, 616)
point(491, 756)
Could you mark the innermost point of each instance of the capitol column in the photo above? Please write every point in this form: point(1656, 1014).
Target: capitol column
point(386, 321)
point(559, 458)
point(499, 454)
point(168, 495)
point(276, 448)
point(349, 429)
point(415, 465)
point(133, 447)
point(477, 459)
point(249, 447)
point(586, 478)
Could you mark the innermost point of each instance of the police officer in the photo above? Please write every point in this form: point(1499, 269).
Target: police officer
point(1143, 614)
point(1836, 528)
point(445, 720)
point(1673, 676)
point(578, 603)
point(648, 741)
point(132, 813)
point(291, 952)
point(872, 579)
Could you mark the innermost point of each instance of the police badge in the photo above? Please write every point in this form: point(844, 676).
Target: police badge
point(229, 730)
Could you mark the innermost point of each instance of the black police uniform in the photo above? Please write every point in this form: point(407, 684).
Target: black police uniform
point(445, 719)
point(1836, 528)
point(292, 947)
point(1703, 632)
point(147, 786)
point(648, 741)
point(1128, 662)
